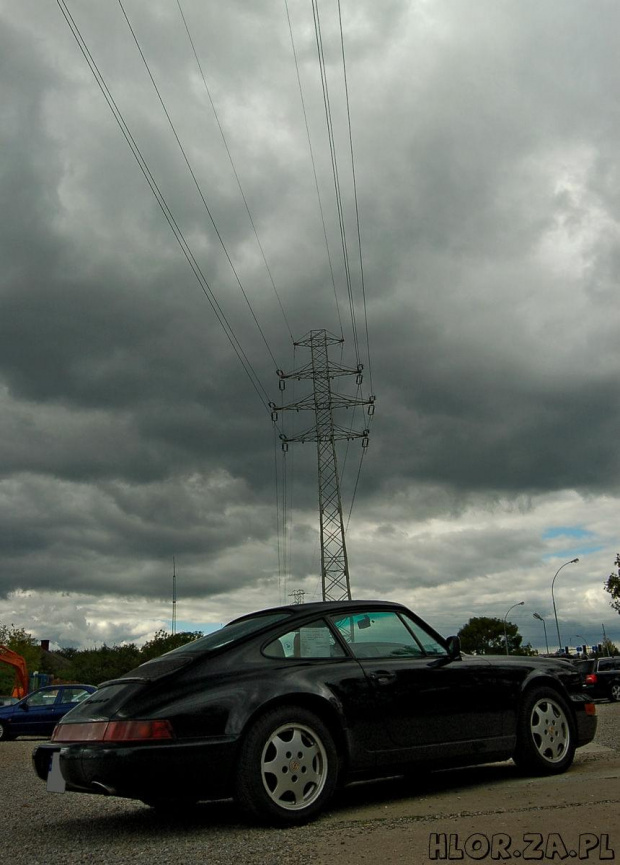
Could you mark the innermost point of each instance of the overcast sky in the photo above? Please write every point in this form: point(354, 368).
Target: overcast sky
point(486, 148)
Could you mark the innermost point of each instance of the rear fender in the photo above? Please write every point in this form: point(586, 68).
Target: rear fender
point(326, 707)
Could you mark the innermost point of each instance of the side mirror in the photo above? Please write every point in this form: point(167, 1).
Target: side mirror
point(24, 706)
point(454, 648)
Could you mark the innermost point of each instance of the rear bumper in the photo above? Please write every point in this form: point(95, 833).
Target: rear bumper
point(148, 771)
point(586, 721)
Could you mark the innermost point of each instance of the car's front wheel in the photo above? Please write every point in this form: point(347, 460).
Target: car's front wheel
point(614, 691)
point(545, 733)
point(288, 766)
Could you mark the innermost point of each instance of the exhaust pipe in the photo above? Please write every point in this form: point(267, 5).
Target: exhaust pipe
point(103, 788)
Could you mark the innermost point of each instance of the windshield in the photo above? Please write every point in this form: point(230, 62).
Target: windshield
point(229, 633)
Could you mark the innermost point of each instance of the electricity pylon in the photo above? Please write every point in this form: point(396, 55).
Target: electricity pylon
point(323, 401)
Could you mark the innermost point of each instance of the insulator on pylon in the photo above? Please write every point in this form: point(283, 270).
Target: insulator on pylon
point(281, 384)
point(365, 442)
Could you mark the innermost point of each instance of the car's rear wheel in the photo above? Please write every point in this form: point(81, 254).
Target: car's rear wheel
point(545, 734)
point(614, 692)
point(288, 766)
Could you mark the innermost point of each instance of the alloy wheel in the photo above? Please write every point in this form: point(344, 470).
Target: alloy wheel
point(550, 730)
point(294, 766)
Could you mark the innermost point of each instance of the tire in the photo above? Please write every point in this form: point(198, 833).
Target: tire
point(614, 691)
point(545, 733)
point(287, 767)
point(5, 736)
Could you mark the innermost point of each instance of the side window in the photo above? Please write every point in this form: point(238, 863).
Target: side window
point(378, 635)
point(43, 698)
point(74, 695)
point(314, 640)
point(427, 641)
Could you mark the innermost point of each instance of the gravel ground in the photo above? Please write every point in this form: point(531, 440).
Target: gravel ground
point(41, 828)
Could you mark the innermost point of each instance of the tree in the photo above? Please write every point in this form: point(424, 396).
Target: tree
point(165, 642)
point(608, 649)
point(483, 635)
point(613, 585)
point(94, 666)
point(20, 641)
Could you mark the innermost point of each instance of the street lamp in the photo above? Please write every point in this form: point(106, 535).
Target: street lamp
point(520, 604)
point(540, 619)
point(555, 612)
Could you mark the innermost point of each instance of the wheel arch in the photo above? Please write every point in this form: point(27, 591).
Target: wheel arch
point(543, 680)
point(321, 707)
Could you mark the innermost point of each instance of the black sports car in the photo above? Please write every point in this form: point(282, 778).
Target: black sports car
point(279, 707)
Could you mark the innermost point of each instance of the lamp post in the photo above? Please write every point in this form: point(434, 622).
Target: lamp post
point(555, 612)
point(540, 619)
point(520, 604)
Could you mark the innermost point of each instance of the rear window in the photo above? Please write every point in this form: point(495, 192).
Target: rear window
point(229, 634)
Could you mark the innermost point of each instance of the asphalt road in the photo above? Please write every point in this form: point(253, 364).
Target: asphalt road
point(393, 821)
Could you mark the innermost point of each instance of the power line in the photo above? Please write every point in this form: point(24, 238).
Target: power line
point(219, 125)
point(357, 213)
point(335, 172)
point(316, 180)
point(163, 205)
point(194, 178)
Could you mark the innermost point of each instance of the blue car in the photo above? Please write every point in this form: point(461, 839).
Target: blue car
point(39, 712)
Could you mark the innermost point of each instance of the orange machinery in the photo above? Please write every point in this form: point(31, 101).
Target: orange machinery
point(8, 656)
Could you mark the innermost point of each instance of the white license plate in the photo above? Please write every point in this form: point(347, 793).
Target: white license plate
point(55, 781)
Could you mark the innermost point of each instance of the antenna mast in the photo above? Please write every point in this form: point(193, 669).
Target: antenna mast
point(174, 596)
point(323, 401)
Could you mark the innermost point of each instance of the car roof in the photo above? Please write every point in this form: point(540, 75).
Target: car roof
point(63, 685)
point(322, 607)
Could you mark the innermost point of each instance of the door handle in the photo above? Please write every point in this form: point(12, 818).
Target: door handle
point(383, 677)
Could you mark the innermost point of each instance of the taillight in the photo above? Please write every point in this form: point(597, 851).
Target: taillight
point(113, 731)
point(591, 679)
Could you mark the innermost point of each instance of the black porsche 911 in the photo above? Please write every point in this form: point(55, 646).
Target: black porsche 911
point(279, 707)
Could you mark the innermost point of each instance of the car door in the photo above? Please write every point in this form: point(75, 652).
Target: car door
point(36, 715)
point(423, 699)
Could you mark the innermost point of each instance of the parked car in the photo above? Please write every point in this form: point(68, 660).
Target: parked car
point(279, 707)
point(601, 677)
point(38, 713)
point(7, 701)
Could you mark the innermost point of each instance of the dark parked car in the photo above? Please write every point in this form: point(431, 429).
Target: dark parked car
point(39, 712)
point(281, 706)
point(601, 678)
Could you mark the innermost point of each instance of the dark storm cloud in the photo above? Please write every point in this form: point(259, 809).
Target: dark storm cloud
point(485, 139)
